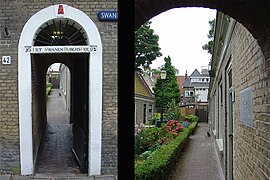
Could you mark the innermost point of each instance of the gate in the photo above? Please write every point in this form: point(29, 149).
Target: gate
point(202, 114)
point(79, 111)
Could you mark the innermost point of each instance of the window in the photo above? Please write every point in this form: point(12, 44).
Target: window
point(196, 80)
point(214, 121)
point(150, 110)
point(220, 117)
point(189, 93)
point(144, 113)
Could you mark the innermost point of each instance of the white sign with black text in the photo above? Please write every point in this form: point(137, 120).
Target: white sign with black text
point(60, 49)
point(6, 59)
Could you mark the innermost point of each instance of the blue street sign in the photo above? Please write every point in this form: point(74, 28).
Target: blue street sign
point(107, 15)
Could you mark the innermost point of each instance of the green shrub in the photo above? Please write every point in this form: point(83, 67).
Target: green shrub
point(154, 118)
point(161, 161)
point(192, 118)
point(146, 154)
point(48, 88)
point(173, 111)
point(192, 127)
point(140, 143)
point(146, 139)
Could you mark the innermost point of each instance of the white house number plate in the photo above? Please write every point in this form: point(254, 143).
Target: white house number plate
point(6, 60)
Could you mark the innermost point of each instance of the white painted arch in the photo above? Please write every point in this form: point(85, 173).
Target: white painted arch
point(25, 87)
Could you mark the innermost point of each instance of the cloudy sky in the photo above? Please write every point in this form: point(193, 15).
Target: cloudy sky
point(182, 33)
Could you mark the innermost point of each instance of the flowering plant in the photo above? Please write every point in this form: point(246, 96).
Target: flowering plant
point(170, 130)
point(138, 128)
point(146, 138)
point(149, 139)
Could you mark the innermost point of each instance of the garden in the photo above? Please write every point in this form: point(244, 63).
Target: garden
point(157, 147)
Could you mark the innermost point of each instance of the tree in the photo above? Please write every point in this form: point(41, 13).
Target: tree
point(146, 46)
point(209, 46)
point(170, 85)
point(173, 111)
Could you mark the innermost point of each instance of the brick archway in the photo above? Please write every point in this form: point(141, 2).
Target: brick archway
point(254, 15)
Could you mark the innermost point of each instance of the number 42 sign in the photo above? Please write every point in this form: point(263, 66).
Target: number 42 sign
point(6, 60)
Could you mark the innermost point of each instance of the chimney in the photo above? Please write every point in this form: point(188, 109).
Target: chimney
point(204, 71)
point(186, 75)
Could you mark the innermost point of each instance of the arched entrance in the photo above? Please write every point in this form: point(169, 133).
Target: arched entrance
point(61, 32)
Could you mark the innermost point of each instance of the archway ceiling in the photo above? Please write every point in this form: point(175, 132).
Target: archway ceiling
point(253, 14)
point(58, 32)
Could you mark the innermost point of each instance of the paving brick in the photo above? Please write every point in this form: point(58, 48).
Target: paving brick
point(55, 155)
point(198, 160)
point(5, 177)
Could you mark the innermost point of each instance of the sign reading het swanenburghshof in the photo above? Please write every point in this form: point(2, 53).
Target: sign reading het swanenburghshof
point(60, 49)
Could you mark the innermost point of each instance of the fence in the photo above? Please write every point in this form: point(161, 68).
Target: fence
point(200, 111)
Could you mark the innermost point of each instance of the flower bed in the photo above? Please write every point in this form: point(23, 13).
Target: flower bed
point(148, 140)
point(161, 161)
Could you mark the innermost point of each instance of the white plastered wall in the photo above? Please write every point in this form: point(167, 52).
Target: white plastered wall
point(25, 86)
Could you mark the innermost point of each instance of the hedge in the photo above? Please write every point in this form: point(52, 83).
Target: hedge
point(48, 88)
point(162, 161)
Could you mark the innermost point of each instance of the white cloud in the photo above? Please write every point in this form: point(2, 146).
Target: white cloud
point(182, 33)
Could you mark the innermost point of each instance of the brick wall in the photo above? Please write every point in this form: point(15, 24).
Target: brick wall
point(249, 69)
point(9, 125)
point(14, 14)
point(38, 103)
point(252, 144)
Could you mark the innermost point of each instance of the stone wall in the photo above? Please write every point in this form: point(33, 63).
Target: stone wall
point(13, 15)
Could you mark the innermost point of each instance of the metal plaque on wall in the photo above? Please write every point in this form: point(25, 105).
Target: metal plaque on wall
point(246, 106)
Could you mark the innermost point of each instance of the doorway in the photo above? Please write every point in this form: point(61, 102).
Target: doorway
point(91, 37)
point(230, 100)
point(59, 136)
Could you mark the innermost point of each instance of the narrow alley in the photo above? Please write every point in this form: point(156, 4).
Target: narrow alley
point(198, 160)
point(55, 157)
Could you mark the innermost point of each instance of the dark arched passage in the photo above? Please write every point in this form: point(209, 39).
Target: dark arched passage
point(78, 65)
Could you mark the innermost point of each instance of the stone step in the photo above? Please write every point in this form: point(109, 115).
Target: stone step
point(18, 177)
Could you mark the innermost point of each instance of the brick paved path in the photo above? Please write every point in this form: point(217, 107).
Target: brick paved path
point(198, 161)
point(56, 157)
